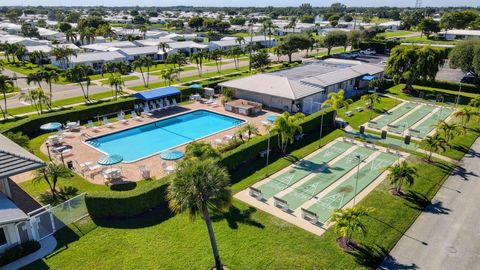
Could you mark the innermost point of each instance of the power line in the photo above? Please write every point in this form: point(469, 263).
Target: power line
point(418, 3)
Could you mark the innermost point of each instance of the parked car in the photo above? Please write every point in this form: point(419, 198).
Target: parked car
point(368, 51)
point(471, 79)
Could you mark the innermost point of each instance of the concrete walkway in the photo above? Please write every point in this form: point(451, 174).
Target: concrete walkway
point(48, 245)
point(447, 234)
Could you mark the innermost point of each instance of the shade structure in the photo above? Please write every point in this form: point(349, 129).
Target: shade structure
point(171, 155)
point(108, 160)
point(367, 78)
point(271, 118)
point(51, 126)
point(157, 93)
point(196, 86)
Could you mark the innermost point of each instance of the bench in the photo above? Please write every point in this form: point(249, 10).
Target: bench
point(279, 203)
point(370, 123)
point(256, 193)
point(359, 109)
point(348, 113)
point(299, 137)
point(310, 216)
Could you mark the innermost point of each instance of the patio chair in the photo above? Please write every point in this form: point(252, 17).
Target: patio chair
point(135, 116)
point(106, 122)
point(174, 101)
point(146, 111)
point(144, 171)
point(66, 134)
point(228, 137)
point(209, 101)
point(91, 126)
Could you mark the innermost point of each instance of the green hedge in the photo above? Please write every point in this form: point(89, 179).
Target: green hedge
point(454, 86)
point(31, 125)
point(127, 203)
point(153, 194)
point(16, 252)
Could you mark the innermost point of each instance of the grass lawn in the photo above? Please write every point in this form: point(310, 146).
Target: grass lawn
point(247, 238)
point(320, 54)
point(163, 66)
point(213, 64)
point(398, 33)
point(430, 94)
point(59, 103)
point(360, 118)
point(19, 67)
point(125, 79)
point(157, 72)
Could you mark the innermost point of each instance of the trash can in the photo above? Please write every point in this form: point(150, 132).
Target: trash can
point(70, 165)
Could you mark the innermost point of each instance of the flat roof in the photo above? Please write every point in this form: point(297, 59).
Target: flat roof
point(157, 93)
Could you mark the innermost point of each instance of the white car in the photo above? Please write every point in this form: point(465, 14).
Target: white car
point(368, 52)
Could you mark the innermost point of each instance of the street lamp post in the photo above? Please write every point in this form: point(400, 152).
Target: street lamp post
point(268, 151)
point(48, 151)
point(356, 179)
point(321, 132)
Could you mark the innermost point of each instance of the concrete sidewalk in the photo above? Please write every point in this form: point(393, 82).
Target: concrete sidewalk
point(447, 234)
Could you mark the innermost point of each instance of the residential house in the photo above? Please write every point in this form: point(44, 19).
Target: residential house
point(459, 34)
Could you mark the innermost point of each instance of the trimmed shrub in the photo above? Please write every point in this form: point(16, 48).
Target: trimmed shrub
point(127, 203)
point(18, 251)
point(31, 125)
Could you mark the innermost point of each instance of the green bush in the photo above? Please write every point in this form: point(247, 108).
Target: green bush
point(30, 126)
point(127, 203)
point(454, 86)
point(18, 251)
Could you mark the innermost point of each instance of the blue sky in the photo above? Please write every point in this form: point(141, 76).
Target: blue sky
point(401, 3)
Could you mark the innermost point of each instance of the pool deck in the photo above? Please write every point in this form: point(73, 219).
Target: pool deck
point(82, 153)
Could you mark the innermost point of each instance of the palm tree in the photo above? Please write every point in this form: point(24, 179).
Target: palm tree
point(177, 59)
point(201, 150)
point(249, 129)
point(448, 130)
point(71, 35)
point(336, 100)
point(5, 84)
point(475, 102)
point(240, 40)
point(117, 83)
point(277, 50)
point(465, 113)
point(217, 56)
point(37, 98)
point(50, 174)
point(371, 99)
point(168, 75)
point(20, 52)
point(49, 76)
point(292, 24)
point(138, 65)
point(196, 187)
point(347, 221)
point(63, 54)
point(35, 77)
point(144, 30)
point(433, 144)
point(235, 53)
point(286, 126)
point(250, 48)
point(164, 46)
point(197, 58)
point(148, 63)
point(400, 174)
point(81, 74)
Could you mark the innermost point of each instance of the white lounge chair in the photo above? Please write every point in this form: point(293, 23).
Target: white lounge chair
point(209, 101)
point(135, 116)
point(106, 122)
point(91, 126)
point(66, 134)
point(174, 101)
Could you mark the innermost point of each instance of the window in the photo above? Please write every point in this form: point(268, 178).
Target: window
point(3, 237)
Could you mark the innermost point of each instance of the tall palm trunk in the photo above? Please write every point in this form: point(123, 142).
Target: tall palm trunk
point(148, 75)
point(51, 94)
point(211, 234)
point(5, 103)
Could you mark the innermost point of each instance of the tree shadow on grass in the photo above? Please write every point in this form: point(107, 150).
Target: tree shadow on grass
point(235, 216)
point(369, 255)
point(150, 218)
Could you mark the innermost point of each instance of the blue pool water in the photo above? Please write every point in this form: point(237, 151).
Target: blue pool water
point(146, 140)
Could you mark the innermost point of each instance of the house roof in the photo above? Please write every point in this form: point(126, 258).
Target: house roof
point(9, 212)
point(107, 45)
point(187, 44)
point(305, 80)
point(462, 32)
point(97, 57)
point(153, 42)
point(15, 160)
point(139, 50)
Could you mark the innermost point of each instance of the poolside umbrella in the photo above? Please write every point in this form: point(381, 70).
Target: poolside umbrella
point(171, 155)
point(51, 126)
point(196, 86)
point(109, 160)
point(271, 118)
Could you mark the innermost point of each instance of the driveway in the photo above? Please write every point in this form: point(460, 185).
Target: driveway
point(447, 234)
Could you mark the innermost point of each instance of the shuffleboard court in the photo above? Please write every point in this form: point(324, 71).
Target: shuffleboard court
point(429, 124)
point(413, 118)
point(390, 117)
point(325, 178)
point(342, 194)
point(302, 169)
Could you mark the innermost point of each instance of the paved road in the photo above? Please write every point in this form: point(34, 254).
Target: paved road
point(447, 234)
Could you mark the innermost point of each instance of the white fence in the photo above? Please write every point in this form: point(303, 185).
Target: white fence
point(47, 220)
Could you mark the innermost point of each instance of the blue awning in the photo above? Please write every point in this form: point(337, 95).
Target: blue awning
point(367, 78)
point(157, 93)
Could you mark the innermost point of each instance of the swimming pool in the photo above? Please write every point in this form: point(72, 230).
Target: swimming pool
point(152, 138)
